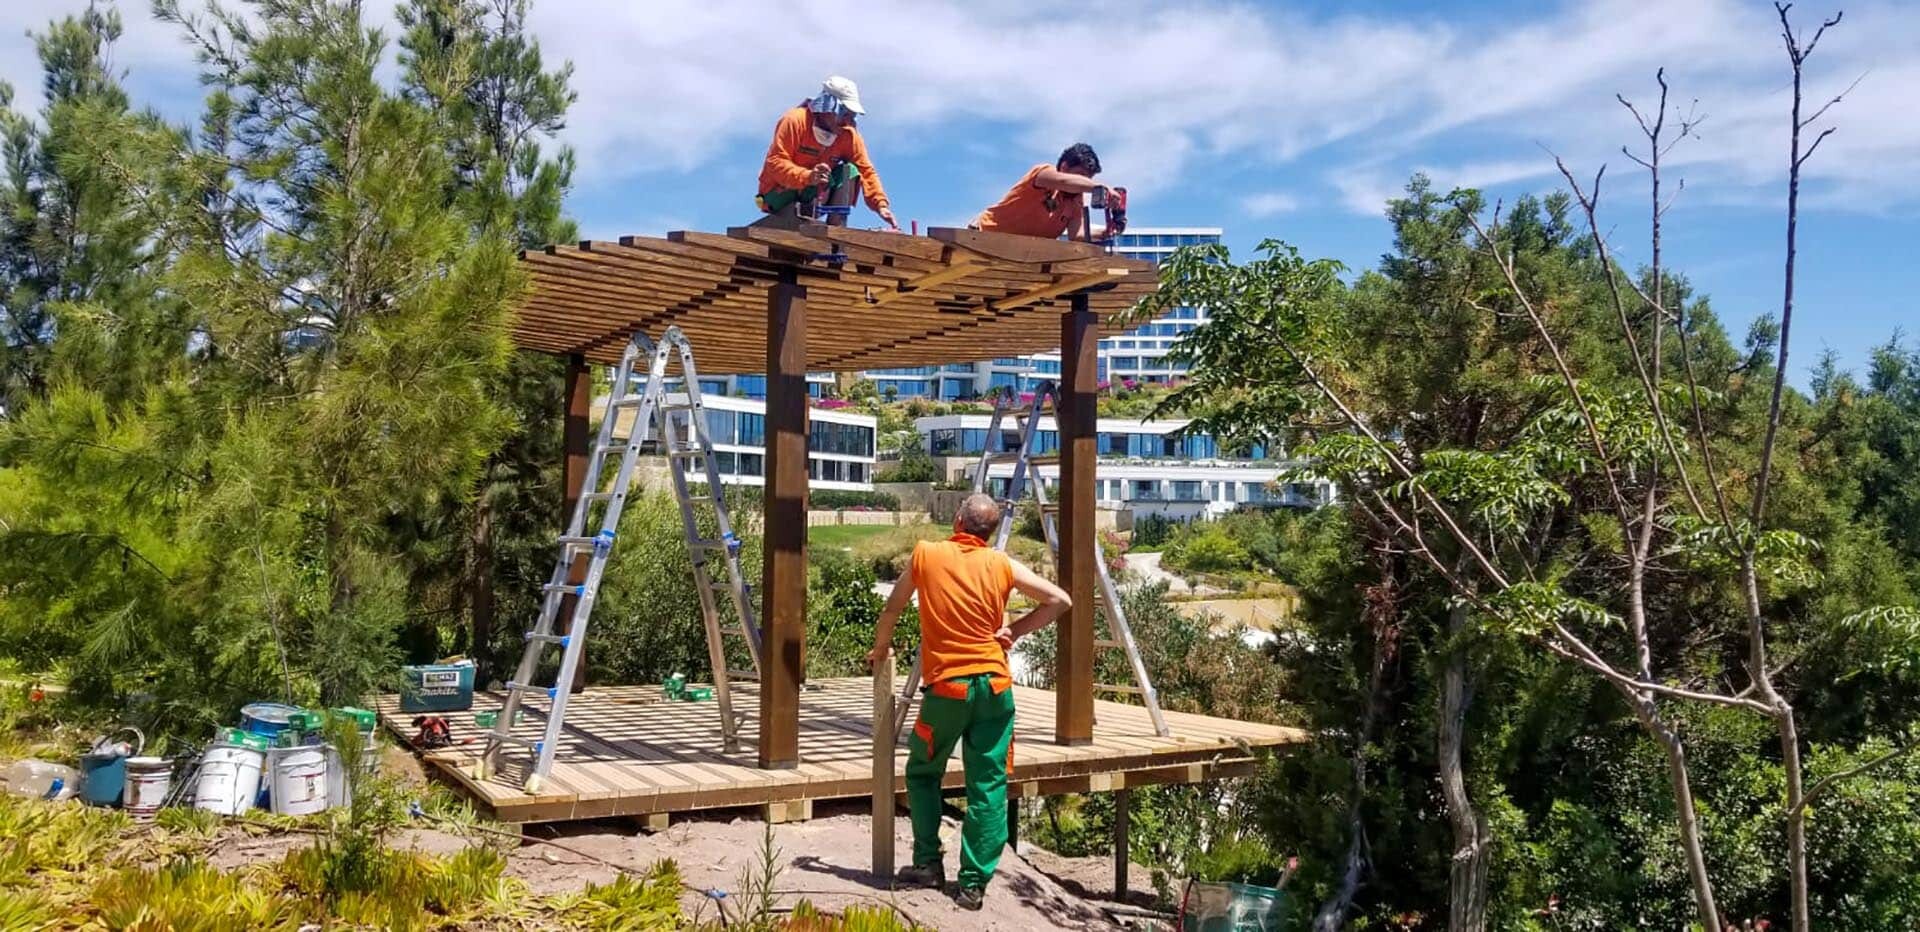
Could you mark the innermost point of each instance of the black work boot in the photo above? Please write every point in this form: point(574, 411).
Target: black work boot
point(920, 876)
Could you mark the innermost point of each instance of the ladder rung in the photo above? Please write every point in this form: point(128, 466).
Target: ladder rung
point(678, 406)
point(1044, 459)
point(1107, 645)
point(631, 401)
point(686, 454)
point(566, 588)
point(550, 691)
point(707, 543)
point(1135, 690)
point(560, 639)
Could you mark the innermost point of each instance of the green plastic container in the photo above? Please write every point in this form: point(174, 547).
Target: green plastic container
point(697, 693)
point(306, 720)
point(489, 719)
point(437, 687)
point(364, 719)
point(241, 738)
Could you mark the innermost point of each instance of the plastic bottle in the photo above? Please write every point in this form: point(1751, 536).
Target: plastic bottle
point(41, 779)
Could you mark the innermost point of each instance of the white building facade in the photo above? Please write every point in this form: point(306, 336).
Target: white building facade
point(1145, 466)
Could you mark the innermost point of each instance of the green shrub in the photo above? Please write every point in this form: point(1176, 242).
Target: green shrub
point(915, 465)
point(834, 499)
point(1152, 530)
point(1208, 550)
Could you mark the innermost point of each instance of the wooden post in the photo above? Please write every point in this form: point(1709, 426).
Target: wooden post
point(1073, 674)
point(574, 439)
point(783, 581)
point(883, 756)
point(1122, 822)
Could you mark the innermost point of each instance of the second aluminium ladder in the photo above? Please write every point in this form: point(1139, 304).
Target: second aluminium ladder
point(1107, 595)
point(678, 422)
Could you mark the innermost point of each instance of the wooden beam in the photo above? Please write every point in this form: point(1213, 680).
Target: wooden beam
point(1122, 819)
point(1044, 292)
point(783, 588)
point(1009, 247)
point(574, 439)
point(883, 756)
point(1073, 675)
point(962, 267)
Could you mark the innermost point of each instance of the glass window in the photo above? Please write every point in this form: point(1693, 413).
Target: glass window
point(752, 464)
point(713, 386)
point(753, 431)
point(1145, 490)
point(720, 425)
point(725, 461)
point(752, 386)
point(944, 441)
point(1186, 491)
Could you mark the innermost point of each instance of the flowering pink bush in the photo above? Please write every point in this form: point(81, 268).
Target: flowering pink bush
point(832, 404)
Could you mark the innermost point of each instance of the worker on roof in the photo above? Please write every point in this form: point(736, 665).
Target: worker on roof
point(815, 158)
point(968, 697)
point(1050, 200)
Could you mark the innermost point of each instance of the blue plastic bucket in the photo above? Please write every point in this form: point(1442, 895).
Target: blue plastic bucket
point(105, 774)
point(266, 719)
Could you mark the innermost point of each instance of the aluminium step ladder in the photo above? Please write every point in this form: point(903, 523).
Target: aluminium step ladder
point(677, 421)
point(1025, 475)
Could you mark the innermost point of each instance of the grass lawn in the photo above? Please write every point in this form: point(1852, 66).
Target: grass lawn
point(838, 536)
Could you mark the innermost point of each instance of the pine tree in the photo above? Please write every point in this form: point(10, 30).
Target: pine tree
point(475, 64)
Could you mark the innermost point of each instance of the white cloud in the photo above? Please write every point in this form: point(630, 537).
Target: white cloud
point(1169, 93)
point(1269, 204)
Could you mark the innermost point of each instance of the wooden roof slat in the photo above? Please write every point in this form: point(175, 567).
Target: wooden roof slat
point(895, 300)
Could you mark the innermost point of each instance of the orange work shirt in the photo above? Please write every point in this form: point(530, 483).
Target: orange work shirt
point(794, 152)
point(1031, 210)
point(963, 586)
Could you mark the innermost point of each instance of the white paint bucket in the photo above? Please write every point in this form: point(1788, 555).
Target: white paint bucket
point(299, 779)
point(229, 779)
point(339, 787)
point(148, 780)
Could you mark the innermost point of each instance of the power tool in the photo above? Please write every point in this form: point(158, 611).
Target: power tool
point(1114, 202)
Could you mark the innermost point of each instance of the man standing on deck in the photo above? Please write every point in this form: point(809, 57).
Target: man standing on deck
point(968, 696)
point(815, 158)
point(1049, 199)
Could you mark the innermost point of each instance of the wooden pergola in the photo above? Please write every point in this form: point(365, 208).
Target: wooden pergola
point(789, 302)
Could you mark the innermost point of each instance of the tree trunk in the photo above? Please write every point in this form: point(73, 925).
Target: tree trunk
point(1381, 615)
point(1472, 852)
point(480, 592)
point(1689, 819)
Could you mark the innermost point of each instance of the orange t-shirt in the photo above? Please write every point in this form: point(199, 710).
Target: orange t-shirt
point(794, 152)
point(1031, 210)
point(963, 586)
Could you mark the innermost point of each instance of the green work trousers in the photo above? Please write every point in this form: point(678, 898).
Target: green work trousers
point(969, 711)
point(779, 199)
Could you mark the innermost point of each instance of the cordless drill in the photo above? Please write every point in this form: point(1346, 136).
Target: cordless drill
point(1114, 202)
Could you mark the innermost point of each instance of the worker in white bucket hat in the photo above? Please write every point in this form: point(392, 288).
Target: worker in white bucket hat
point(815, 158)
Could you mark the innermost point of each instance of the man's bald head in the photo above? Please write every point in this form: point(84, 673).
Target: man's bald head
point(979, 515)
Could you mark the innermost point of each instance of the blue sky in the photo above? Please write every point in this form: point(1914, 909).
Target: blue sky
point(1293, 121)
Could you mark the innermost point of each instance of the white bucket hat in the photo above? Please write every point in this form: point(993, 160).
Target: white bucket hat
point(837, 91)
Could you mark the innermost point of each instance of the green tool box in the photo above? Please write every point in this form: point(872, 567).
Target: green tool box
point(437, 687)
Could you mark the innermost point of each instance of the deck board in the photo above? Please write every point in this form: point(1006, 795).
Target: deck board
point(626, 750)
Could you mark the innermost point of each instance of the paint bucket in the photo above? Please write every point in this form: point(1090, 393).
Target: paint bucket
point(267, 719)
point(148, 781)
point(229, 779)
point(299, 777)
point(104, 767)
point(339, 788)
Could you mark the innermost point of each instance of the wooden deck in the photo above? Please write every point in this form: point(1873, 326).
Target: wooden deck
point(628, 752)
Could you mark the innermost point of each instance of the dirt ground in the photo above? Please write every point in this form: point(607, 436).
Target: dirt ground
point(824, 860)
